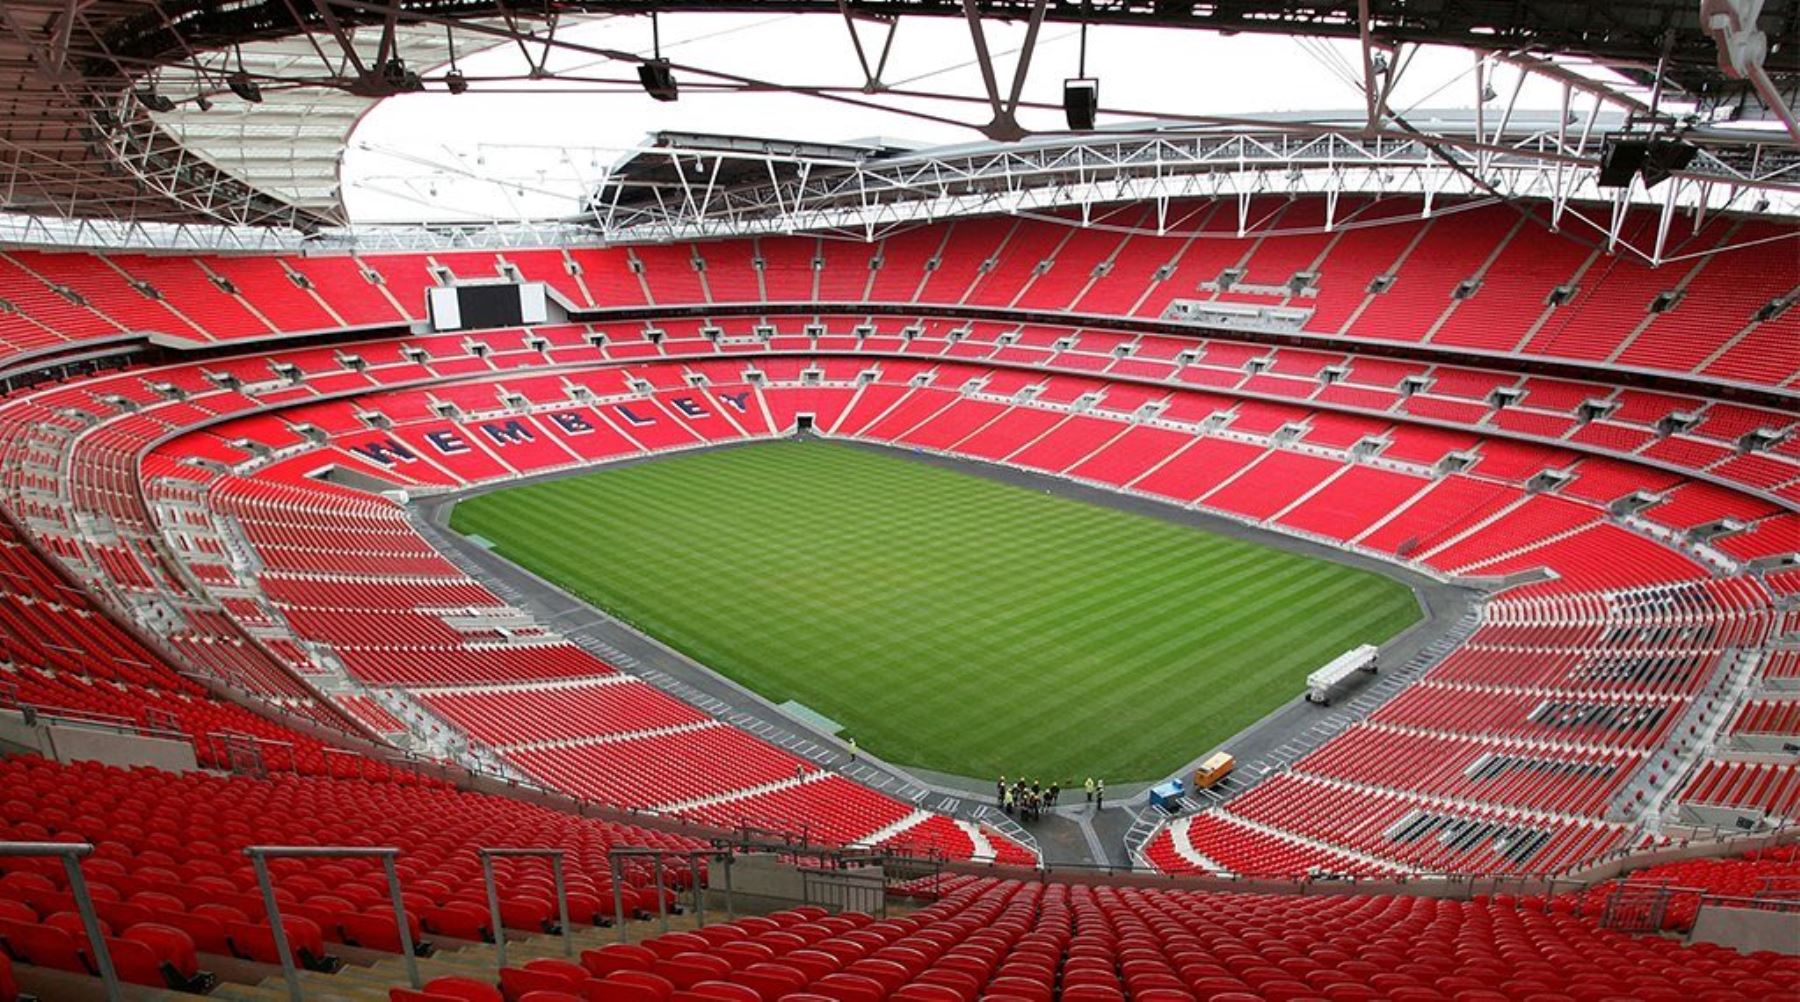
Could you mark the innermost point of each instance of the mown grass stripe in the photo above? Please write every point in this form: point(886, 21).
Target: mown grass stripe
point(949, 621)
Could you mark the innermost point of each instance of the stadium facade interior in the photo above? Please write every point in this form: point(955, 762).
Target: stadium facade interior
point(271, 727)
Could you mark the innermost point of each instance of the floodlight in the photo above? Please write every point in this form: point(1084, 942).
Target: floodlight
point(244, 87)
point(1081, 102)
point(658, 79)
point(154, 101)
point(1665, 157)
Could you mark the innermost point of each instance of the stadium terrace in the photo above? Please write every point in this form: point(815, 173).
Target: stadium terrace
point(1119, 547)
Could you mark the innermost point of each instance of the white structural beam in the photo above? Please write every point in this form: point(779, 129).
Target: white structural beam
point(867, 196)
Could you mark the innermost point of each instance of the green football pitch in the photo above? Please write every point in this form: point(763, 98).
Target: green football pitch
point(946, 620)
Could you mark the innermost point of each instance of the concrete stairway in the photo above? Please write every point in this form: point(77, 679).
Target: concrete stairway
point(370, 982)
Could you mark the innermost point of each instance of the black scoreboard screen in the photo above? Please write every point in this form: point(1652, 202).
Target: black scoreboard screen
point(488, 306)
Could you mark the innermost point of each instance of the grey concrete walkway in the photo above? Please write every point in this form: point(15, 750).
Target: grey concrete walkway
point(1074, 834)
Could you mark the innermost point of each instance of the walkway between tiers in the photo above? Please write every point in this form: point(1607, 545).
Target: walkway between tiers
point(1070, 835)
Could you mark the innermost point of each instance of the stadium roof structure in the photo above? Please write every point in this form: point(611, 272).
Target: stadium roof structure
point(683, 186)
point(132, 113)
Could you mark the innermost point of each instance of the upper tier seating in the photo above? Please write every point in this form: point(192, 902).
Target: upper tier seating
point(1504, 267)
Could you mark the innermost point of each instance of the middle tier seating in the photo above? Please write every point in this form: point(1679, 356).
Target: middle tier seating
point(249, 486)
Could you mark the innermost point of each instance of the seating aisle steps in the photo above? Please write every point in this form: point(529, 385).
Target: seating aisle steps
point(370, 983)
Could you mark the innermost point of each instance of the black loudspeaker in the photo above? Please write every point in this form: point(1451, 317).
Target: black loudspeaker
point(1666, 156)
point(1620, 160)
point(658, 80)
point(1081, 102)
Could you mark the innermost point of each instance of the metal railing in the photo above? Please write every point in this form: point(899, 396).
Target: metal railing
point(1636, 908)
point(259, 858)
point(841, 877)
point(70, 853)
point(615, 861)
point(159, 719)
point(1756, 902)
point(845, 890)
point(555, 856)
point(66, 715)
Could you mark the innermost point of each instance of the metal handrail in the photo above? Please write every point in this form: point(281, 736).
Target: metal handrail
point(871, 888)
point(493, 895)
point(72, 716)
point(69, 852)
point(616, 857)
point(1783, 905)
point(259, 858)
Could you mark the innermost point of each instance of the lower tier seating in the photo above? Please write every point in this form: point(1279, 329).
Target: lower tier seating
point(168, 857)
point(1764, 875)
point(1034, 942)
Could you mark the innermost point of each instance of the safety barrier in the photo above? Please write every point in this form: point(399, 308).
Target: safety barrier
point(70, 854)
point(555, 856)
point(259, 858)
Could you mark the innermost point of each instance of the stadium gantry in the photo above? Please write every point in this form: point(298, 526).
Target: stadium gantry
point(357, 639)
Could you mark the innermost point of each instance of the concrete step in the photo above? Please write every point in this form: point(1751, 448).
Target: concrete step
point(360, 982)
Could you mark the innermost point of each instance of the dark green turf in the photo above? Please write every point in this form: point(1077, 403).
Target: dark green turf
point(947, 620)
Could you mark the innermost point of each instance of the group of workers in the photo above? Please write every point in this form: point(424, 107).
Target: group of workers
point(1031, 799)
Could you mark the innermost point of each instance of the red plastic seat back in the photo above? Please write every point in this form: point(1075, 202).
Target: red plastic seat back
point(466, 989)
point(617, 957)
point(850, 988)
point(613, 989)
point(207, 934)
point(9, 989)
point(43, 945)
point(134, 962)
point(221, 913)
point(1092, 993)
point(723, 991)
point(528, 914)
point(255, 941)
point(686, 970)
point(121, 914)
point(671, 943)
point(459, 920)
point(517, 982)
point(376, 931)
point(70, 922)
point(171, 946)
point(742, 953)
point(568, 970)
point(658, 985)
point(922, 992)
point(770, 981)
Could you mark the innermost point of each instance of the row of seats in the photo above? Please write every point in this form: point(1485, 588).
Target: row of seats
point(589, 768)
point(1466, 279)
point(168, 866)
point(1548, 712)
point(1226, 365)
point(287, 520)
point(1765, 874)
point(986, 938)
point(320, 586)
